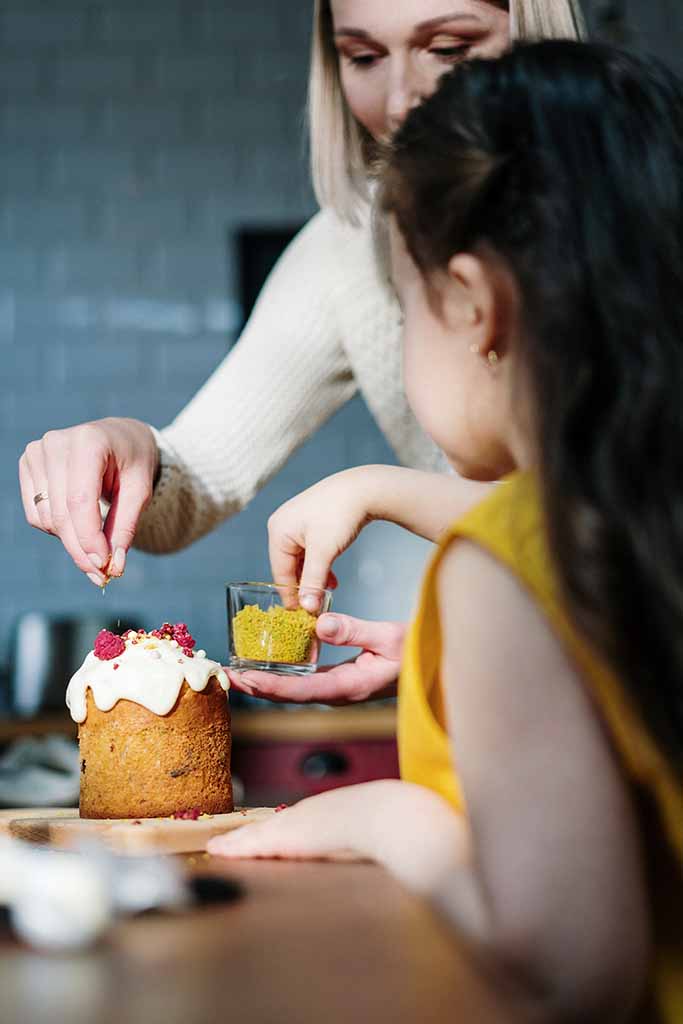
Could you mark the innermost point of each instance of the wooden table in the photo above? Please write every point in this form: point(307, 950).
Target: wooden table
point(307, 944)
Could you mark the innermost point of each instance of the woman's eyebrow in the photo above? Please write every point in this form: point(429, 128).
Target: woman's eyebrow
point(359, 33)
point(423, 26)
point(444, 18)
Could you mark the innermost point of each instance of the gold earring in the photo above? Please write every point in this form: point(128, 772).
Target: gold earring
point(493, 357)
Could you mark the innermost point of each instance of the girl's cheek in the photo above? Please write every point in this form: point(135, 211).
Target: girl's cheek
point(416, 378)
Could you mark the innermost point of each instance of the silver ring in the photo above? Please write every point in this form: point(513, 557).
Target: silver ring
point(40, 496)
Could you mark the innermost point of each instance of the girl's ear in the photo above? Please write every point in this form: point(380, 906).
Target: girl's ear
point(483, 298)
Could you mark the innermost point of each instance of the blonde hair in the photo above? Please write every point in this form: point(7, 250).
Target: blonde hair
point(341, 149)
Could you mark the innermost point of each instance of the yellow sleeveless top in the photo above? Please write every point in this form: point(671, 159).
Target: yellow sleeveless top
point(508, 524)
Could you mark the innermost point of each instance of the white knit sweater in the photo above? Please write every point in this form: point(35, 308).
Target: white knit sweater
point(325, 326)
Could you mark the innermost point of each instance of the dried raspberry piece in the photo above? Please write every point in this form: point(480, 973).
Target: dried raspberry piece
point(190, 815)
point(184, 639)
point(281, 807)
point(108, 645)
point(115, 665)
point(179, 633)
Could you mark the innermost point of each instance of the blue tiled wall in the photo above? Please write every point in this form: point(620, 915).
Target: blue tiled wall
point(134, 136)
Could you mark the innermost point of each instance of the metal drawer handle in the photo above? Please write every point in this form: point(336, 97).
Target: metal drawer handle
point(321, 763)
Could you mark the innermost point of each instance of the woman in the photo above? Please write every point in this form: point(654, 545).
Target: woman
point(326, 324)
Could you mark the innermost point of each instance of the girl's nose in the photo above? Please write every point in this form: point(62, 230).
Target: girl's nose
point(404, 94)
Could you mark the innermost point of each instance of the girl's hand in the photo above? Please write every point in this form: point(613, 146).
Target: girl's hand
point(371, 675)
point(309, 531)
point(114, 459)
point(314, 829)
point(410, 830)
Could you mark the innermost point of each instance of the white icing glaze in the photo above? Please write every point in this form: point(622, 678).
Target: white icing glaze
point(150, 672)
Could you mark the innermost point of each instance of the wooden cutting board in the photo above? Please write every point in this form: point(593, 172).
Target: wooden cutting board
point(64, 828)
point(7, 816)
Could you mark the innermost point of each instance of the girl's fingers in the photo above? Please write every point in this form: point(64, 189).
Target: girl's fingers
point(285, 553)
point(314, 577)
point(249, 841)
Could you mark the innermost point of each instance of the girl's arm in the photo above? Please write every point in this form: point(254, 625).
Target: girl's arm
point(545, 877)
point(554, 889)
point(310, 531)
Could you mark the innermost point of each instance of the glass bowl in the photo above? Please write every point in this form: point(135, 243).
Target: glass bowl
point(269, 631)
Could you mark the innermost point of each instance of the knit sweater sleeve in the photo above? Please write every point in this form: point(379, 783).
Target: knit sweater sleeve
point(287, 374)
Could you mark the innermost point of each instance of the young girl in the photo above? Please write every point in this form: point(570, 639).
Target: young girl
point(540, 704)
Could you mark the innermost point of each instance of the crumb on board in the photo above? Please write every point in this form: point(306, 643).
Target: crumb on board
point(190, 814)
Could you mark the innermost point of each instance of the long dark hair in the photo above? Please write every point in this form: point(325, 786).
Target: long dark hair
point(566, 159)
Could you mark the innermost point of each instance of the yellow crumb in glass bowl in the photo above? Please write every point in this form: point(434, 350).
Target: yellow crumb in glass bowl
point(278, 634)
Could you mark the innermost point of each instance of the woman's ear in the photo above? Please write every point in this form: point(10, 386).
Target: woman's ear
point(480, 301)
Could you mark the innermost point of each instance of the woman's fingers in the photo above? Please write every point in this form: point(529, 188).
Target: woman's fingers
point(28, 493)
point(329, 685)
point(75, 467)
point(367, 677)
point(51, 514)
point(36, 484)
point(82, 482)
point(131, 497)
point(57, 469)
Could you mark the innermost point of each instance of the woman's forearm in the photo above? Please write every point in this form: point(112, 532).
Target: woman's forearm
point(282, 380)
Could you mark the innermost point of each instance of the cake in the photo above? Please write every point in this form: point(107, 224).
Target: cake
point(153, 727)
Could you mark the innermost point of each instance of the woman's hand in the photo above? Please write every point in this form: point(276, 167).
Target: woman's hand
point(370, 676)
point(114, 459)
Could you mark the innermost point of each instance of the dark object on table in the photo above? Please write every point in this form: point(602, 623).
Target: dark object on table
point(214, 889)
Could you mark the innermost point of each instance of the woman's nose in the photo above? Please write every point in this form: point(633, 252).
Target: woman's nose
point(404, 94)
